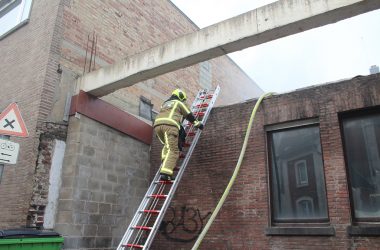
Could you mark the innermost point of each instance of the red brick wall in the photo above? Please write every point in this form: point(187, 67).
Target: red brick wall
point(242, 222)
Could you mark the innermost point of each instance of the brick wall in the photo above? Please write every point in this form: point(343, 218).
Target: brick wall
point(26, 57)
point(41, 60)
point(244, 218)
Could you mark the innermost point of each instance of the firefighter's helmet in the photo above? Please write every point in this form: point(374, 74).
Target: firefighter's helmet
point(180, 94)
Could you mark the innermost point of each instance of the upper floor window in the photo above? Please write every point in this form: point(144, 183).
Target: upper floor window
point(298, 192)
point(361, 139)
point(145, 108)
point(205, 75)
point(13, 14)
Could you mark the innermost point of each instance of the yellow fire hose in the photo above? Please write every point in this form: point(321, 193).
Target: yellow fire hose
point(236, 171)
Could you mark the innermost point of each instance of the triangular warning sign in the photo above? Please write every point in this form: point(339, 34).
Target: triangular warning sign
point(11, 122)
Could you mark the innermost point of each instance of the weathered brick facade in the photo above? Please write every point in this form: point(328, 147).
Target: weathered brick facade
point(105, 173)
point(40, 63)
point(245, 217)
point(28, 77)
point(39, 199)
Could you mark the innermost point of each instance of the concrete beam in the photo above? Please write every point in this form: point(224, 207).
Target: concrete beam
point(280, 19)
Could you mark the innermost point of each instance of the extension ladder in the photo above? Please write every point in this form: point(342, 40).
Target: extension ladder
point(146, 221)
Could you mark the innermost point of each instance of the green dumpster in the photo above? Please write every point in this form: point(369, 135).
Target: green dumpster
point(27, 239)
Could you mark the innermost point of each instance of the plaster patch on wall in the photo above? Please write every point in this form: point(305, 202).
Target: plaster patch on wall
point(55, 182)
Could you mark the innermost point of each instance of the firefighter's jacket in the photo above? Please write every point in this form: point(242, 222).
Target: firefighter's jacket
point(172, 113)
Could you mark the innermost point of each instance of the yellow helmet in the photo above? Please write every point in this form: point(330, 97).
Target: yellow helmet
point(180, 94)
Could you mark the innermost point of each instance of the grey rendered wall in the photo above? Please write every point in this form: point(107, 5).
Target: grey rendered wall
point(105, 174)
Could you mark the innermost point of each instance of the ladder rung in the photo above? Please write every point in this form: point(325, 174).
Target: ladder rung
point(199, 113)
point(176, 169)
point(158, 196)
point(151, 211)
point(164, 182)
point(202, 105)
point(186, 145)
point(181, 156)
point(191, 134)
point(188, 126)
point(134, 245)
point(205, 97)
point(142, 228)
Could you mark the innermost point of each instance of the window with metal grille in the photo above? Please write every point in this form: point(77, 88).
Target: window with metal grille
point(361, 140)
point(13, 14)
point(298, 192)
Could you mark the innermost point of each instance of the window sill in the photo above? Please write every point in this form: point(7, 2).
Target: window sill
point(364, 230)
point(301, 231)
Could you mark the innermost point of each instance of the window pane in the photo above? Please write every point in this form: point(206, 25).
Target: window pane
point(305, 208)
point(205, 75)
point(8, 5)
point(362, 137)
point(297, 179)
point(301, 173)
point(145, 108)
point(14, 13)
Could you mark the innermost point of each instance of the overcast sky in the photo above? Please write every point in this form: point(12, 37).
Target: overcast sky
point(326, 54)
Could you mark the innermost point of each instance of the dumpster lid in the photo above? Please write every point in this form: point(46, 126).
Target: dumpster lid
point(27, 233)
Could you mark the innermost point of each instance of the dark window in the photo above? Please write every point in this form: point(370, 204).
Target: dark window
point(298, 191)
point(361, 136)
point(145, 109)
point(154, 114)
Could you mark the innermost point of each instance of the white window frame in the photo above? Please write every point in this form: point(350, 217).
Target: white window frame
point(21, 13)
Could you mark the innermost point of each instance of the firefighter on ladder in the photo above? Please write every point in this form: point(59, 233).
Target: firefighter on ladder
point(167, 126)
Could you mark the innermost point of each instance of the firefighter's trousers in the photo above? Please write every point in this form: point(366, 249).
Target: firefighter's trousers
point(168, 136)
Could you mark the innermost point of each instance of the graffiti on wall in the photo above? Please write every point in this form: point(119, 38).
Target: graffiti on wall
point(183, 224)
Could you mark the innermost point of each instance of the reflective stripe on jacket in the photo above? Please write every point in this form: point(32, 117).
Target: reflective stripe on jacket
point(172, 113)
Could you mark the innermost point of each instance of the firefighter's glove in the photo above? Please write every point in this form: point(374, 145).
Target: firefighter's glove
point(198, 125)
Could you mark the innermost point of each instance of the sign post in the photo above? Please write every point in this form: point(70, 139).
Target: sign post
point(11, 124)
point(8, 151)
point(2, 137)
